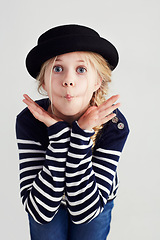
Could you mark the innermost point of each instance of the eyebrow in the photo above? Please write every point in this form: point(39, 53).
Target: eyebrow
point(60, 60)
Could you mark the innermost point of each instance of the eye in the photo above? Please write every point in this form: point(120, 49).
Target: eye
point(81, 70)
point(57, 69)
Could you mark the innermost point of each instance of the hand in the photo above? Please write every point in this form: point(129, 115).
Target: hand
point(96, 116)
point(39, 113)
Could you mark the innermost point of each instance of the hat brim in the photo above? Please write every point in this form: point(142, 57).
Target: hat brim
point(57, 46)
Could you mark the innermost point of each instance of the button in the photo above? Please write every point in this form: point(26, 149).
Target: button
point(120, 125)
point(115, 119)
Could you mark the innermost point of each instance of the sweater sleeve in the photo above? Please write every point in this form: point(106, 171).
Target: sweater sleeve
point(42, 169)
point(90, 177)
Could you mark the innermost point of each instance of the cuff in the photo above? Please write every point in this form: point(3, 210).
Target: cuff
point(76, 129)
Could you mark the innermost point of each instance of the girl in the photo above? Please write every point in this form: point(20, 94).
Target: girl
point(70, 143)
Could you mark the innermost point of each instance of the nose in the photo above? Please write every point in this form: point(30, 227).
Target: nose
point(68, 78)
point(67, 84)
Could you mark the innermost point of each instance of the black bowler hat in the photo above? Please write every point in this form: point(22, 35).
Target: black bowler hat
point(69, 38)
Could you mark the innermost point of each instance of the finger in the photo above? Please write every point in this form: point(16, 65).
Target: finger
point(109, 102)
point(113, 108)
point(90, 109)
point(27, 98)
point(108, 118)
point(38, 112)
point(113, 99)
point(34, 112)
point(29, 102)
point(34, 108)
point(108, 111)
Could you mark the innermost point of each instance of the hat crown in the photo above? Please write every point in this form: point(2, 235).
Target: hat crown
point(66, 30)
point(69, 38)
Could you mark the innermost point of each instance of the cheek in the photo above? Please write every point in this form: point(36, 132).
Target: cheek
point(86, 96)
point(90, 86)
point(81, 90)
point(52, 87)
point(83, 86)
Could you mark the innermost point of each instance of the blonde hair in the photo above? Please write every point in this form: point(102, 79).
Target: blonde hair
point(103, 70)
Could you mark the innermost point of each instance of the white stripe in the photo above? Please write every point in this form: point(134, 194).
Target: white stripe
point(73, 155)
point(71, 194)
point(111, 196)
point(28, 142)
point(73, 184)
point(55, 159)
point(25, 203)
point(27, 178)
point(112, 152)
point(84, 209)
point(88, 217)
point(30, 169)
point(87, 131)
point(57, 150)
point(61, 140)
point(81, 146)
point(103, 178)
point(46, 195)
point(63, 202)
point(46, 170)
point(103, 168)
point(49, 185)
point(107, 160)
point(29, 210)
point(59, 133)
point(73, 165)
point(103, 188)
point(79, 172)
point(114, 183)
point(83, 199)
point(31, 151)
point(75, 135)
point(47, 219)
point(29, 186)
point(56, 179)
point(24, 160)
point(48, 208)
point(57, 169)
point(103, 198)
point(99, 210)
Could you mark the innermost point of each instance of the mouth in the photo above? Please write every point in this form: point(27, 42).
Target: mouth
point(69, 97)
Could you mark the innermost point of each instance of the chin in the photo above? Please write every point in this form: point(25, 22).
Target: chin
point(71, 113)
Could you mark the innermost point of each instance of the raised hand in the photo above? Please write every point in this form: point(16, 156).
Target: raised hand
point(95, 116)
point(39, 113)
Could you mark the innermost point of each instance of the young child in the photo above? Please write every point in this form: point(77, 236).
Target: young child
point(70, 143)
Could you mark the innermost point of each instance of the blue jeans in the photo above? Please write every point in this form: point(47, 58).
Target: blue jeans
point(62, 228)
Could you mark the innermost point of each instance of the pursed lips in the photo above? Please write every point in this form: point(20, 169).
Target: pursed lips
point(69, 97)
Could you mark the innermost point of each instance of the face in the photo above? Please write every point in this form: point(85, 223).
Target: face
point(70, 84)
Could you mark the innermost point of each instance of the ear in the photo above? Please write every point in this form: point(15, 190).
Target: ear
point(98, 84)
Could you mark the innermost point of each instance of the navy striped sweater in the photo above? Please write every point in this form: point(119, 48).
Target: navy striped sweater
point(59, 166)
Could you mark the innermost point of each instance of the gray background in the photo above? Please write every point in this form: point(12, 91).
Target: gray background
point(133, 26)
